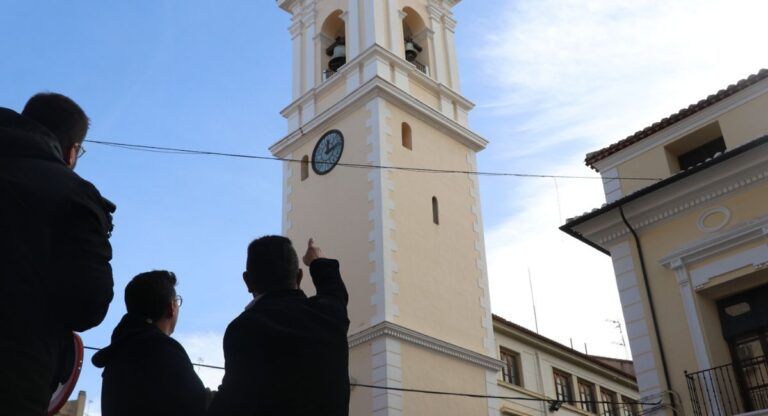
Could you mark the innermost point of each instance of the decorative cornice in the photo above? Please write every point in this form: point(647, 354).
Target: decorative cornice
point(704, 187)
point(745, 233)
point(388, 329)
point(378, 52)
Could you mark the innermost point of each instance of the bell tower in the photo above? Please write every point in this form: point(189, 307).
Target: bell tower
point(375, 82)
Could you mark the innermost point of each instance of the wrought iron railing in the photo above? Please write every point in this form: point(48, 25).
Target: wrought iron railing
point(421, 67)
point(730, 389)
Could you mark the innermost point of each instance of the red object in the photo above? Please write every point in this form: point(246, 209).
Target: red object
point(60, 396)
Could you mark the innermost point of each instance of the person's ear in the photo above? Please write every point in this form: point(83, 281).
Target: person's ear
point(247, 280)
point(171, 310)
point(299, 276)
point(70, 156)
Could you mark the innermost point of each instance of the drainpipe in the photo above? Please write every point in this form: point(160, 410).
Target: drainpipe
point(651, 307)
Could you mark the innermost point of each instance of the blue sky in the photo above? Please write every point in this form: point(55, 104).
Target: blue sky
point(552, 80)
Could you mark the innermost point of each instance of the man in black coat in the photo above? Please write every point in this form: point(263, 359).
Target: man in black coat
point(55, 276)
point(287, 354)
point(146, 372)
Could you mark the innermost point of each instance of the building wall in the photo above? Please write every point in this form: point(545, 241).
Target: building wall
point(423, 369)
point(679, 322)
point(738, 126)
point(424, 256)
point(334, 209)
point(538, 362)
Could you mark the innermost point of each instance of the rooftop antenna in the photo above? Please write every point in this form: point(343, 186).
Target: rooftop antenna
point(533, 301)
point(617, 324)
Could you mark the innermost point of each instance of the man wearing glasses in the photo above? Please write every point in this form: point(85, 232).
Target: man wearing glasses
point(146, 372)
point(55, 275)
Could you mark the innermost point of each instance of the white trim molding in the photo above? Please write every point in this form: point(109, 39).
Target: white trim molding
point(382, 225)
point(742, 172)
point(638, 324)
point(702, 222)
point(391, 330)
point(690, 279)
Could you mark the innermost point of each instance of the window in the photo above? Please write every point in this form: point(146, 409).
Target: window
point(304, 167)
point(333, 53)
point(695, 147)
point(610, 407)
point(630, 407)
point(435, 211)
point(407, 139)
point(511, 370)
point(587, 396)
point(700, 154)
point(563, 387)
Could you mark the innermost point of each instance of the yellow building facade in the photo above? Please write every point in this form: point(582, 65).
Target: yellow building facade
point(690, 247)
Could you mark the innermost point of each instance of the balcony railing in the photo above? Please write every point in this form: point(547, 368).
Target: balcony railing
point(421, 67)
point(730, 389)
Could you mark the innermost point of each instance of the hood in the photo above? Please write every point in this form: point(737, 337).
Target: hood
point(130, 330)
point(23, 137)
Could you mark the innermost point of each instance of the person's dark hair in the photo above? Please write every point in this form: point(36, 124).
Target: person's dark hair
point(59, 114)
point(272, 264)
point(148, 294)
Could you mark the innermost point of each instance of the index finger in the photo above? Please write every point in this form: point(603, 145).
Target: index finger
point(311, 242)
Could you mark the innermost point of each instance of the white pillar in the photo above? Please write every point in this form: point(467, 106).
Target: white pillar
point(310, 48)
point(437, 44)
point(369, 21)
point(691, 315)
point(396, 44)
point(298, 65)
point(450, 48)
point(353, 29)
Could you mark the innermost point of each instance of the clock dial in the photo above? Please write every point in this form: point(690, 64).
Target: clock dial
point(327, 152)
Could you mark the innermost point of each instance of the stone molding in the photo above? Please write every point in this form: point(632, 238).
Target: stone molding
point(391, 330)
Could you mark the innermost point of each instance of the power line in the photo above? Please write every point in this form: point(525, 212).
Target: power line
point(181, 151)
point(449, 393)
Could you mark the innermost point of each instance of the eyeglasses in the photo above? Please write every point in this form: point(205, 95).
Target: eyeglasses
point(179, 300)
point(80, 150)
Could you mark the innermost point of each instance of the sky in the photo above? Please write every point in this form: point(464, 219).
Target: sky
point(552, 80)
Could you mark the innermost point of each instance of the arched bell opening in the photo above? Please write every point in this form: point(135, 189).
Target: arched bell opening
point(415, 40)
point(333, 44)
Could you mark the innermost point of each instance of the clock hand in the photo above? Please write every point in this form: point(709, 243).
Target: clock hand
point(330, 149)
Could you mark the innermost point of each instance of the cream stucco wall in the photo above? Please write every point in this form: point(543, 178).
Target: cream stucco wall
point(670, 236)
point(334, 209)
point(427, 370)
point(738, 126)
point(435, 261)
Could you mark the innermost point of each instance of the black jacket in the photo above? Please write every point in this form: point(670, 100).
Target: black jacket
point(55, 276)
point(147, 373)
point(287, 354)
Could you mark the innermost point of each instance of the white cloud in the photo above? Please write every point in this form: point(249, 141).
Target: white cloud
point(205, 348)
point(581, 75)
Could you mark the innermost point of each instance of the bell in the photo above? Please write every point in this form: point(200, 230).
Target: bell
point(338, 54)
point(410, 51)
point(338, 59)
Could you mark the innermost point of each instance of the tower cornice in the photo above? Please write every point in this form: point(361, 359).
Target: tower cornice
point(378, 87)
point(377, 51)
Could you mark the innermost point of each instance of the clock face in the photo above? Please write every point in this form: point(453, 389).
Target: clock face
point(327, 152)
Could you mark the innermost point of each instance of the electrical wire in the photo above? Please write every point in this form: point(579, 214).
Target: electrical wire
point(448, 393)
point(181, 151)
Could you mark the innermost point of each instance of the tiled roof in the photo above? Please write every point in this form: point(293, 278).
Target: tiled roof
point(594, 157)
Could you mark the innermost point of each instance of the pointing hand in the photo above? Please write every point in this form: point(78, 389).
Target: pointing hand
point(313, 252)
